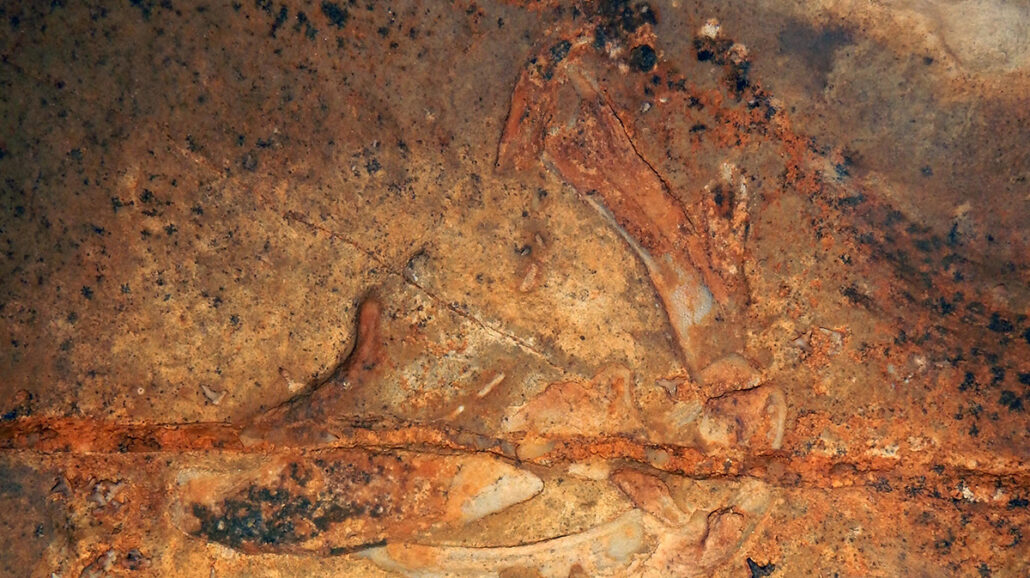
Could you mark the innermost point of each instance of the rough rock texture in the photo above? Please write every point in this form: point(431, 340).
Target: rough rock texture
point(733, 288)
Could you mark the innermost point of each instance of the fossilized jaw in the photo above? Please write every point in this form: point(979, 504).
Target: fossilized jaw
point(377, 504)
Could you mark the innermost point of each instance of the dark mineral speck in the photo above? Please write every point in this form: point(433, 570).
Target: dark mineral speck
point(337, 16)
point(999, 324)
point(643, 58)
point(560, 50)
point(757, 570)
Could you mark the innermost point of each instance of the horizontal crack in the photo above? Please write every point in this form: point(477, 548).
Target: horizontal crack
point(929, 476)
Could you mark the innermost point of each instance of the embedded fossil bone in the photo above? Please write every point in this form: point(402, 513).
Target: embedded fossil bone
point(752, 417)
point(567, 121)
point(302, 419)
point(600, 406)
point(600, 551)
point(474, 432)
point(693, 542)
point(657, 539)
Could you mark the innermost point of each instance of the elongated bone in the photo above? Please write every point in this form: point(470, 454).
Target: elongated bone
point(579, 134)
point(656, 539)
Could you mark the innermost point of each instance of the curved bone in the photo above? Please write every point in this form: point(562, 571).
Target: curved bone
point(301, 419)
point(600, 551)
point(567, 120)
point(657, 539)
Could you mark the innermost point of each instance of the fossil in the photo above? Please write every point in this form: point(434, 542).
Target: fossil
point(690, 465)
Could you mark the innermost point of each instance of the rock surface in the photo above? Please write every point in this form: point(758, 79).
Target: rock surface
point(511, 288)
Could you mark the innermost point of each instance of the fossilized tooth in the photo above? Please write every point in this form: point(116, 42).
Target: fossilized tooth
point(485, 485)
point(729, 373)
point(305, 419)
point(729, 408)
point(339, 501)
point(567, 121)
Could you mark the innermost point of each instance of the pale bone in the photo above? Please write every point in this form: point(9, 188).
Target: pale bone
point(600, 551)
point(753, 417)
point(580, 408)
point(687, 301)
point(475, 500)
point(652, 540)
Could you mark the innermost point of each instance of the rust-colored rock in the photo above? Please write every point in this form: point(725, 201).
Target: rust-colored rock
point(515, 289)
